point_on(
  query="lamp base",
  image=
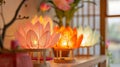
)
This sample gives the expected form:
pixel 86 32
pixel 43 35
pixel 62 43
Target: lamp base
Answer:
pixel 64 60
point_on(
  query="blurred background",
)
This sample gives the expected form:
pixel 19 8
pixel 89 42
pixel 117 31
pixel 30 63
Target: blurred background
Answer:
pixel 113 32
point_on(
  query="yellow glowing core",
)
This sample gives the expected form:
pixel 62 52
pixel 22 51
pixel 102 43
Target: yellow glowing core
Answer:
pixel 35 42
pixel 64 43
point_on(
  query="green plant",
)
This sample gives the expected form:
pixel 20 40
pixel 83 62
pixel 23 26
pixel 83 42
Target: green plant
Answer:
pixel 67 14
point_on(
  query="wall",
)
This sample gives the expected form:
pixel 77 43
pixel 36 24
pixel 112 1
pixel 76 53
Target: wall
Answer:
pixel 9 10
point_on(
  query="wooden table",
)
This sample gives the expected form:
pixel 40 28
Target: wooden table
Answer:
pixel 81 62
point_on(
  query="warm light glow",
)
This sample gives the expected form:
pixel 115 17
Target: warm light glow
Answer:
pixel 83 43
pixel 35 42
pixel 64 43
pixel 68 38
pixel 90 37
pixel 37 34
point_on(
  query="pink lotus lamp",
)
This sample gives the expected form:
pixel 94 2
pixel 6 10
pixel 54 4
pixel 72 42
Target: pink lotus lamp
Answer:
pixel 37 35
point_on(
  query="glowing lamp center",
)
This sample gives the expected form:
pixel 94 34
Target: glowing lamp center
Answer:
pixel 35 42
pixel 64 43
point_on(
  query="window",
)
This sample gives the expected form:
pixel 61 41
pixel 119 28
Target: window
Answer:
pixel 113 20
pixel 113 7
pixel 113 29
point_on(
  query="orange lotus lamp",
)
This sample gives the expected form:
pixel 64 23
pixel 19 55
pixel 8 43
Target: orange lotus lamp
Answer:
pixel 67 42
pixel 37 35
pixel 68 38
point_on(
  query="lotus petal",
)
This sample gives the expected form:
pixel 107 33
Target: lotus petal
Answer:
pixel 53 40
pixel 43 39
pixel 47 27
pixel 42 21
pixel 48 19
pixel 79 40
pixel 73 40
pixel 32 39
pixel 28 26
pixel 79 31
pixel 21 39
pixel 34 20
pixel 38 28
pixel 47 40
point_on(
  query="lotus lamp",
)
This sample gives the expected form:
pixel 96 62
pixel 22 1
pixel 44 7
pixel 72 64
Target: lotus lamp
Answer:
pixel 67 42
pixel 37 35
pixel 91 37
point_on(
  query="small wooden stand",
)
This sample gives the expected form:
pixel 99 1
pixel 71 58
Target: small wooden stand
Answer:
pixel 41 63
pixel 88 51
pixel 60 59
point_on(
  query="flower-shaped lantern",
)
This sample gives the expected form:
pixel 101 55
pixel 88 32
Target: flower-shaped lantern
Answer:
pixel 67 42
pixel 68 38
pixel 37 34
pixel 90 37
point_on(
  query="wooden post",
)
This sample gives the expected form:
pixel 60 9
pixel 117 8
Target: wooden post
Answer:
pixel 94 50
pixel 88 51
pixel 38 60
pixel 60 53
pixel 103 5
pixel 31 54
pixel 78 52
pixel 103 64
pixel 71 53
pixel 57 54
pixel 44 57
pixel 82 50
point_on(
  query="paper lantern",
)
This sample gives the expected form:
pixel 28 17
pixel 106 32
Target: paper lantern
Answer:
pixel 67 42
pixel 68 38
pixel 37 34
pixel 90 37
pixel 89 40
